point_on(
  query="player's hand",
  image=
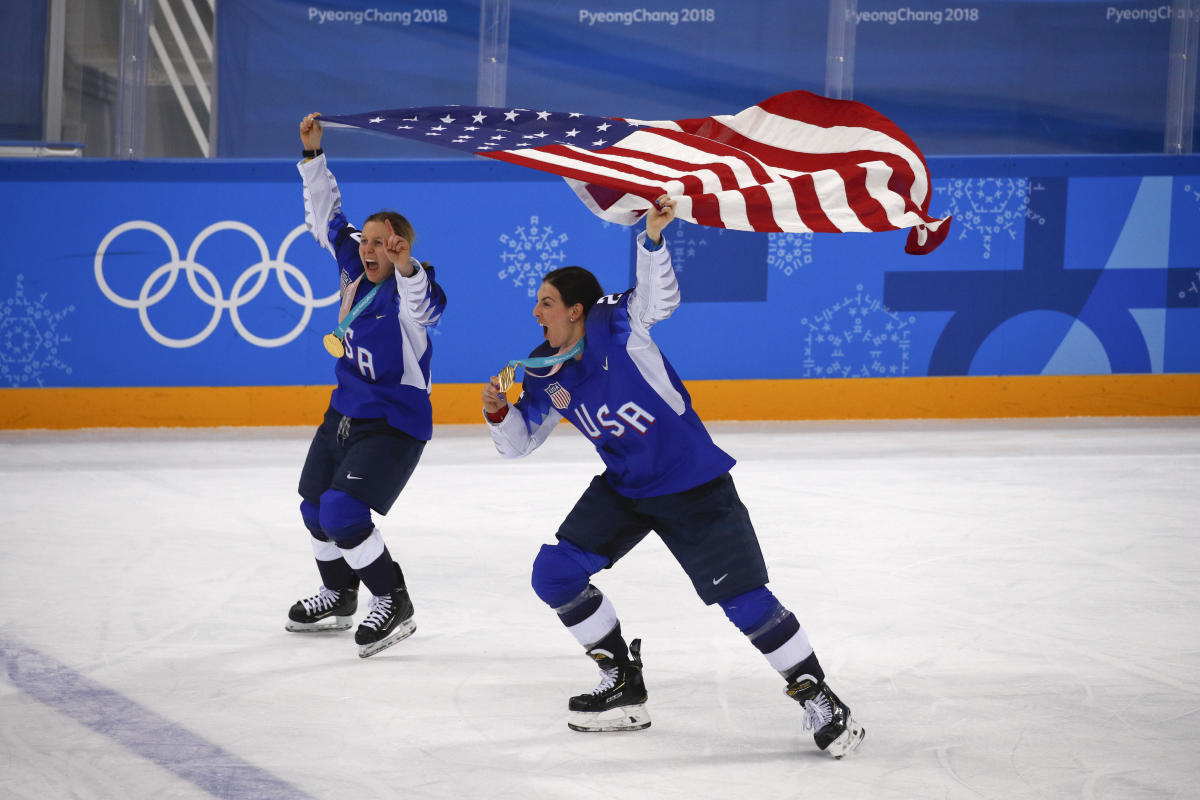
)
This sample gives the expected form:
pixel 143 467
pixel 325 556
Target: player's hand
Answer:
pixel 398 249
pixel 659 217
pixel 493 398
pixel 310 131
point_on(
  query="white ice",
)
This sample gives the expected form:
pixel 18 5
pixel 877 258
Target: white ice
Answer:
pixel 1010 608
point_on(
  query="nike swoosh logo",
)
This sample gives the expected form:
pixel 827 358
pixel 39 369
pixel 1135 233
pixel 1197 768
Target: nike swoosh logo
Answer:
pixel 380 316
pixel 350 476
pixel 606 363
pixel 718 580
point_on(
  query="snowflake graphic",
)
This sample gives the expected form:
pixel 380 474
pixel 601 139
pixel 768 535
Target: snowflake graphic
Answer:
pixel 530 252
pixel 989 207
pixel 788 252
pixel 856 337
pixel 29 338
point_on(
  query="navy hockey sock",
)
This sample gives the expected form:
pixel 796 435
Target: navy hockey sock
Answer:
pixel 809 666
pixel 337 574
pixel 774 631
pixel 373 564
pixel 592 620
pixel 380 576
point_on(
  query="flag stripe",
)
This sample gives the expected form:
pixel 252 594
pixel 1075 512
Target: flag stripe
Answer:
pixel 748 170
pixel 566 163
pixel 808 205
pixel 799 122
pixel 848 163
pixel 699 177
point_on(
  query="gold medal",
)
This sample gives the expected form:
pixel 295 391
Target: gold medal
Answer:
pixel 334 345
pixel 506 377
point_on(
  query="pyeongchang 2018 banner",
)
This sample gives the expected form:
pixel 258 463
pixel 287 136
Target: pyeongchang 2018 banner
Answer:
pixel 981 77
pixel 281 59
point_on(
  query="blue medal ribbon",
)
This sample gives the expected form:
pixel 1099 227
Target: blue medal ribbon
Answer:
pixel 340 330
pixel 508 375
pixel 550 361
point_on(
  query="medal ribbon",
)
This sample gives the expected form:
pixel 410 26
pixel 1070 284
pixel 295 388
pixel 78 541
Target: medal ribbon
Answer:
pixel 340 330
pixel 509 373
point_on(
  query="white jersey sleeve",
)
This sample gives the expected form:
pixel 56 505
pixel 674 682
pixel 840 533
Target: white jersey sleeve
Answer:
pixel 322 199
pixel 656 295
pixel 514 438
pixel 421 301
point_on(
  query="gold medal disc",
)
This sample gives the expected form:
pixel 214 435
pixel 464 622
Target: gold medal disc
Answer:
pixel 506 377
pixel 334 345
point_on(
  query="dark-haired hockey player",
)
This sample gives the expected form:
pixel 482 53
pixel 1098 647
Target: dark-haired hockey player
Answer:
pixel 600 370
pixel 379 417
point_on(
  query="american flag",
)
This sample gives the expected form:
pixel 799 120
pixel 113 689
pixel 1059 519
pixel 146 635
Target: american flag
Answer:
pixel 796 162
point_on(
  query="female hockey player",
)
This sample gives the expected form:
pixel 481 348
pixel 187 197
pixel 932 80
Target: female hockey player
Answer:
pixel 379 416
pixel 600 370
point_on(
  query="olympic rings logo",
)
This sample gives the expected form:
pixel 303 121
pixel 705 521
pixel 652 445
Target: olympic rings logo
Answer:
pixel 240 295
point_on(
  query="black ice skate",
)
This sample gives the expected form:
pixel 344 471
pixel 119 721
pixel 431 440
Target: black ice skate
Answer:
pixel 327 610
pixel 389 620
pixel 618 703
pixel 834 730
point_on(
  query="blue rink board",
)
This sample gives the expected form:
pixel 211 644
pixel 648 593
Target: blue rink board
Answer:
pixel 1054 265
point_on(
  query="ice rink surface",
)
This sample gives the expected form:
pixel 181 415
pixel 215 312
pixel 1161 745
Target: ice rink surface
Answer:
pixel 1011 609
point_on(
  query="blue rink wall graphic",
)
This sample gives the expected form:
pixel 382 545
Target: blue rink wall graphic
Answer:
pixel 131 282
pixel 201 274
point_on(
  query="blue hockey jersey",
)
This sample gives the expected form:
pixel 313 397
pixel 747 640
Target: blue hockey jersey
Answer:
pixel 385 373
pixel 622 393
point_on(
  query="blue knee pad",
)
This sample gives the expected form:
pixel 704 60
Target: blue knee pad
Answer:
pixel 749 609
pixel 345 519
pixel 311 514
pixel 561 571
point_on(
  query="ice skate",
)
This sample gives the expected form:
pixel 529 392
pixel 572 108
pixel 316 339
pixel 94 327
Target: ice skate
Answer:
pixel 619 702
pixel 834 730
pixel 327 610
pixel 389 620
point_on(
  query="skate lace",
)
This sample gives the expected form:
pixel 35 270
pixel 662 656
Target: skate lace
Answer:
pixel 817 712
pixel 323 600
pixel 379 609
pixel 608 679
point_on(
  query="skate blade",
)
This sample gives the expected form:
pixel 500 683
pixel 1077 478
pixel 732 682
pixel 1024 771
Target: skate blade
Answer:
pixel 848 742
pixel 621 718
pixel 402 631
pixel 321 626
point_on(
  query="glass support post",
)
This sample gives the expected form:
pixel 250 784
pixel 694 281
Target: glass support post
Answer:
pixel 493 52
pixel 1182 66
pixel 133 74
pixel 839 49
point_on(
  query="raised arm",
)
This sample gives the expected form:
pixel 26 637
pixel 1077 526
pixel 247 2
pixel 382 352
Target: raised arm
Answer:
pixel 322 198
pixel 656 295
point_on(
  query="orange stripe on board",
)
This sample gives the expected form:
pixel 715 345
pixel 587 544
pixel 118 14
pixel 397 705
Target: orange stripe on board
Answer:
pixel 459 403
